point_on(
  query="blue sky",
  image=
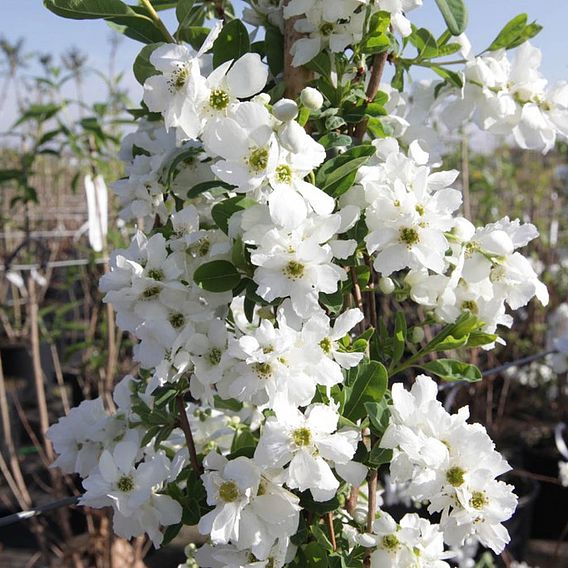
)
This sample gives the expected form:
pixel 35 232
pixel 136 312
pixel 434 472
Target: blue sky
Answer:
pixel 44 32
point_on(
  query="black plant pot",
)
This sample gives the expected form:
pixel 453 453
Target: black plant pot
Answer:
pixel 520 525
pixel 17 361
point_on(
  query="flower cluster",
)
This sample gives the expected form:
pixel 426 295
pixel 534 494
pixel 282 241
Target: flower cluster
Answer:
pixel 244 286
pixel 452 267
pixel 449 464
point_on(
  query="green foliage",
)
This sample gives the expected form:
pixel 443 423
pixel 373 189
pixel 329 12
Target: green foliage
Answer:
pixel 217 276
pixel 232 43
pixel 514 33
pixel 452 370
pixel 337 175
pixel 365 383
pixel 89 9
pixel 455 15
pixel 142 67
pixel 223 211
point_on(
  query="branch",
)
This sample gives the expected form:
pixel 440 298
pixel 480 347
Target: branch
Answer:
pixel 379 62
pixel 295 78
pixel 184 424
pixel 158 21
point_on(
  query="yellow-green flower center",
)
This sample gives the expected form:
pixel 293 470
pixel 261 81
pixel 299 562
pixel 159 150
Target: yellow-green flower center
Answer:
pixel 478 500
pixel 420 209
pixel 409 236
pixel 228 492
pixel 156 274
pixel 179 78
pixel 214 356
pixel 263 370
pixel 390 542
pixel 125 484
pixel 258 159
pixel 177 320
pixel 455 476
pixel 219 99
pixel 293 270
pixel 326 29
pixel 470 306
pixel 326 345
pixel 284 174
pixel 302 437
pixel 150 292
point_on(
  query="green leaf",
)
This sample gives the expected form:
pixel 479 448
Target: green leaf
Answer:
pixel 217 276
pixel 142 67
pixel 232 43
pixel 184 12
pixel 511 31
pixel 274 46
pixel 223 211
pixel 450 76
pixel 424 42
pixel 212 186
pixel 321 64
pixel 337 175
pixel 455 15
pixel 194 35
pixel 8 175
pixel 378 413
pixel 366 383
pixel 379 456
pixel 319 507
pixel 529 32
pixel 452 370
pixel 333 139
pixel 39 113
pixel 89 9
pixel 138 27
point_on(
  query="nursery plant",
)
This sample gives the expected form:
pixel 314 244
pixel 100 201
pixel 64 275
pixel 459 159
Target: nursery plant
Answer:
pixel 282 190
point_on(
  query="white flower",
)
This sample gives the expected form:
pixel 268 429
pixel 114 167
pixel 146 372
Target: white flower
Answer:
pixel 307 442
pixel 250 511
pixel 298 264
pixel 412 542
pixel 247 146
pixel 563 473
pixel 311 98
pixel 78 437
pixel 452 465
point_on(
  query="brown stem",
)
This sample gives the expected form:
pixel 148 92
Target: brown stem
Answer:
pixel 38 372
pixel 372 503
pixel 379 62
pixel 184 424
pixel 536 476
pixel 295 78
pixel 358 299
pixel 329 523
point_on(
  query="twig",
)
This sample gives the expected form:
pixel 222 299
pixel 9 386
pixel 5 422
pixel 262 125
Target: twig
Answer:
pixel 535 476
pixel 329 523
pixel 24 515
pixel 372 503
pixel 184 424
pixel 517 362
pixel 38 371
pixel 158 21
pixel 295 78
pixel 379 62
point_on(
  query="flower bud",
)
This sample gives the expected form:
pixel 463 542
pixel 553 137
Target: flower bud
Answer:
pixel 386 285
pixel 261 98
pixel 285 110
pixel 417 335
pixel 311 98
